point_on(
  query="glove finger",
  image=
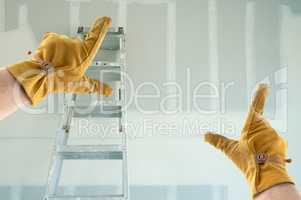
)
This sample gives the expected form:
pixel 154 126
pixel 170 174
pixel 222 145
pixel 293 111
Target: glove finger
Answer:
pixel 259 98
pixel 89 85
pixel 95 37
pixel 220 142
pixel 257 107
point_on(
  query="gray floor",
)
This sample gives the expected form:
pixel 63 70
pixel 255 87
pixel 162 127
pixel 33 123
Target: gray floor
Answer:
pixel 186 192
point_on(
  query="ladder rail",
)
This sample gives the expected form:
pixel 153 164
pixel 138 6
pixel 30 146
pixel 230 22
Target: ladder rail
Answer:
pixel 122 98
pixel 61 140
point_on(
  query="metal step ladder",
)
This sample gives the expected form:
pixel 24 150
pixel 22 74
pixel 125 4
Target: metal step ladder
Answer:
pixel 108 66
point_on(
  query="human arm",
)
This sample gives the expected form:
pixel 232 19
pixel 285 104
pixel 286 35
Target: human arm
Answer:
pixel 280 192
pixel 11 94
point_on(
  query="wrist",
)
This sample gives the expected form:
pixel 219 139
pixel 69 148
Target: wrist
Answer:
pixel 277 191
pixel 18 95
pixel 268 175
pixel 27 74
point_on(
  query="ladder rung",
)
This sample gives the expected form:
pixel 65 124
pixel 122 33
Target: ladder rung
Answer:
pixel 111 42
pixel 111 152
pixel 113 31
pixel 105 65
pixel 92 148
pixel 96 102
pixel 99 197
pixel 112 39
pixel 91 155
pixel 97 111
pixel 105 75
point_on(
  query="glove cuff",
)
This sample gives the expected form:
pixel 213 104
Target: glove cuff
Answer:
pixel 269 175
pixel 32 78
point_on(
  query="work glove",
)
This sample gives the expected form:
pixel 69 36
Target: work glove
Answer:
pixel 260 153
pixel 59 65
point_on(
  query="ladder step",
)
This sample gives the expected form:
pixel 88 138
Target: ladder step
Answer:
pixel 110 56
pixel 92 148
pixel 91 152
pixel 95 102
pixel 97 111
pixel 106 74
pixel 100 197
pixel 100 65
pixel 91 155
pixel 112 39
pixel 114 31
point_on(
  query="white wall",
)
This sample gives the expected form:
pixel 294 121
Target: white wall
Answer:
pixel 26 140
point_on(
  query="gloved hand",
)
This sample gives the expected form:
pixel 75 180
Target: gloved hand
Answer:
pixel 59 65
pixel 260 153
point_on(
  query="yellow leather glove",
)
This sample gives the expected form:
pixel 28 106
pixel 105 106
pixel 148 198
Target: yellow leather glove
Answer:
pixel 59 64
pixel 260 153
